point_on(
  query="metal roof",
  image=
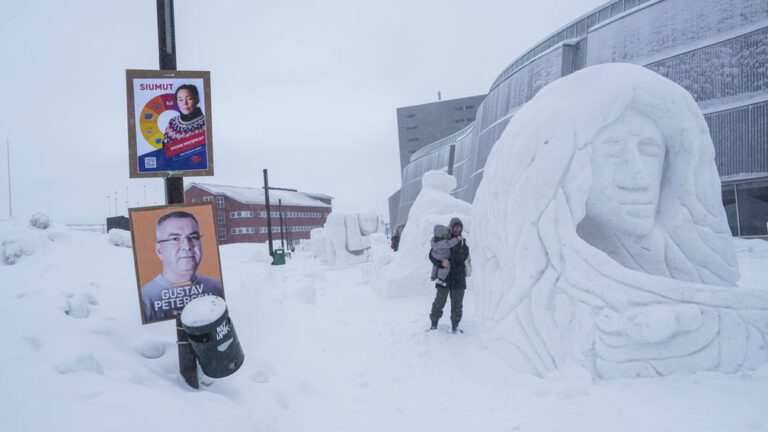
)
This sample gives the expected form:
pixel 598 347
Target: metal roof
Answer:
pixel 251 195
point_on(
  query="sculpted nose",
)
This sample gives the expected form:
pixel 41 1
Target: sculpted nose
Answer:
pixel 633 174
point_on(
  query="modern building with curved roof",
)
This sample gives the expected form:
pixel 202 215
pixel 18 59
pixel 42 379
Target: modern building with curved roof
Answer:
pixel 715 49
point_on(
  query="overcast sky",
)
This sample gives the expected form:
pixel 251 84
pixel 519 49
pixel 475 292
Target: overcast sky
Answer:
pixel 305 89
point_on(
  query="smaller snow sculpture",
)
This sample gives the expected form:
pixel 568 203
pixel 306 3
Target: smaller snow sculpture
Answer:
pixel 119 237
pixel 319 242
pixel 409 271
pixel 381 253
pixel 348 234
pixel 40 221
pixel 615 252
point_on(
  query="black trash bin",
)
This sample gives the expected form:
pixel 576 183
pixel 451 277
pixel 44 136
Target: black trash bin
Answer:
pixel 212 336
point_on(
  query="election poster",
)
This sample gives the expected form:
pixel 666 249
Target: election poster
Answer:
pixel 176 256
pixel 169 123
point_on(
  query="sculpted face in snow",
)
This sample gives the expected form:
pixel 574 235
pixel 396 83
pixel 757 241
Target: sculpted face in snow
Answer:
pixel 616 253
pixel 627 160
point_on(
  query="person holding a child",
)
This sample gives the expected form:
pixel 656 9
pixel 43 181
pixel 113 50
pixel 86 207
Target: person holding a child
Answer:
pixel 448 255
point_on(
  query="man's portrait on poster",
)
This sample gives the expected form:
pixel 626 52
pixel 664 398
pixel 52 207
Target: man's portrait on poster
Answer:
pixel 179 247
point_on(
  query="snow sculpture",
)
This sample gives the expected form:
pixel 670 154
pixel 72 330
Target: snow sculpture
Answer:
pixel 381 252
pixel 348 234
pixel 409 272
pixel 319 244
pixel 601 238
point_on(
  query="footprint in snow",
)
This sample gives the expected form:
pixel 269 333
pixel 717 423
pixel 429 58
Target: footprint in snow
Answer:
pixel 83 363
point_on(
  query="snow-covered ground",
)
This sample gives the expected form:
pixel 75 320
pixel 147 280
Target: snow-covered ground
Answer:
pixel 323 352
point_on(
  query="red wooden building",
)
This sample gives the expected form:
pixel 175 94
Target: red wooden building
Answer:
pixel 241 213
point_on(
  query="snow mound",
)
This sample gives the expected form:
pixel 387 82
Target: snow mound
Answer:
pixel 151 348
pixel 78 304
pixel 439 181
pixel 40 221
pixel 601 239
pixel 19 240
pixel 119 237
pixel 323 342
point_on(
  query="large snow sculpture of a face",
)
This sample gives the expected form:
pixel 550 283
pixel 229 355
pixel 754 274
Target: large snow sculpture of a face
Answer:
pixel 627 163
pixel 616 252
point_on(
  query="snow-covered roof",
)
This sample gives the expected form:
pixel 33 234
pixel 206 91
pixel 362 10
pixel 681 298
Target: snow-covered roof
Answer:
pixel 317 195
pixel 251 195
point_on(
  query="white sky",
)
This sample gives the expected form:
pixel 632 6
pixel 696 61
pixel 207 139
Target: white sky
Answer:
pixel 305 89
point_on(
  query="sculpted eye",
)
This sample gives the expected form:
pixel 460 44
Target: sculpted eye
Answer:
pixel 613 147
pixel 650 147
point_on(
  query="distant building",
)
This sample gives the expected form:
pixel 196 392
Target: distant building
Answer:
pixel 420 125
pixel 119 222
pixel 241 213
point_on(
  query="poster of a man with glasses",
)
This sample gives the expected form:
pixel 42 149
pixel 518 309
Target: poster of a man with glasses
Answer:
pixel 168 244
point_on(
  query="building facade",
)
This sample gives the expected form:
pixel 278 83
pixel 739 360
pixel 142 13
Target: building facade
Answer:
pixel 419 125
pixel 241 212
pixel 715 49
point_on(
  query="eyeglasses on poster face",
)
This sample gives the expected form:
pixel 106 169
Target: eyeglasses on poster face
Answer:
pixel 176 240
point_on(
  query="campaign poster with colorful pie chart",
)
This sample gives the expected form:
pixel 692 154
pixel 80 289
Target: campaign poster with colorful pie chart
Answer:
pixel 169 123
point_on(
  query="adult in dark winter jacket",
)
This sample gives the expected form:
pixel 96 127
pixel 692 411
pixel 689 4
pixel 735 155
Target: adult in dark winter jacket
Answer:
pixel 455 283
pixel 395 241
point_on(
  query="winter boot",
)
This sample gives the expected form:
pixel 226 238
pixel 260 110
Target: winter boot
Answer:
pixel 433 326
pixel 454 328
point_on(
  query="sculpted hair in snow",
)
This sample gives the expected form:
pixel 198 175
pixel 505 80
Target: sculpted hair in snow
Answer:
pixel 544 284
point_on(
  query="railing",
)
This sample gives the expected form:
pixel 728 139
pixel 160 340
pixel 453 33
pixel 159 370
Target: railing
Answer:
pixel 442 142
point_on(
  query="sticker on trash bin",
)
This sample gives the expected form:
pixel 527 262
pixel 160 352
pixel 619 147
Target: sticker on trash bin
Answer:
pixel 223 347
pixel 222 330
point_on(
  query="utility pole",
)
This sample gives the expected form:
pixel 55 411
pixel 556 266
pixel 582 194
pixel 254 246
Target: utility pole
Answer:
pixel 269 214
pixel 280 212
pixel 166 40
pixel 288 234
pixel 174 186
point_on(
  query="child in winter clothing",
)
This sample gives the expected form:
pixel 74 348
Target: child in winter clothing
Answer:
pixel 441 250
